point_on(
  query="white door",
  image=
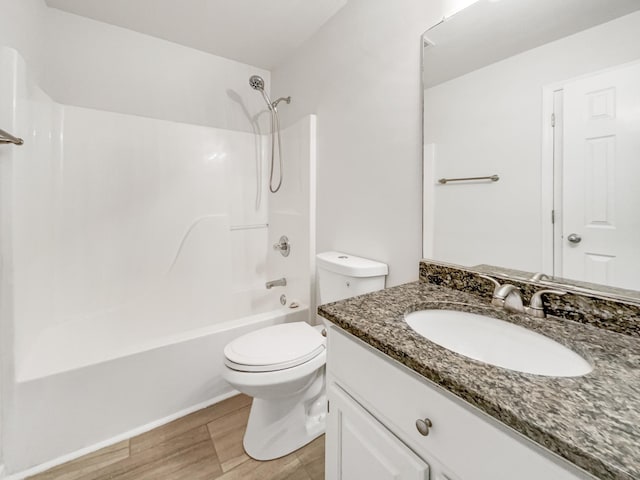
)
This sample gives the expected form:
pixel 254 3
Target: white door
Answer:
pixel 359 447
pixel 601 178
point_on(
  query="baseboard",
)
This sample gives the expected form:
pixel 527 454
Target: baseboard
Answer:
pixel 118 438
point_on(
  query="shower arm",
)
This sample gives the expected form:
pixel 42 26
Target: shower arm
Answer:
pixel 281 99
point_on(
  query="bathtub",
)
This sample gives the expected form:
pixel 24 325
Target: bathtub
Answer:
pixel 69 402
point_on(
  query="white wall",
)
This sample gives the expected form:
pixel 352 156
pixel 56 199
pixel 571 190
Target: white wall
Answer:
pixel 22 26
pixel 7 87
pixel 490 121
pixel 96 65
pixel 361 75
pixel 83 62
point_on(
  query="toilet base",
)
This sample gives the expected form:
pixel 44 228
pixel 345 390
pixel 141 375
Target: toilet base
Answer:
pixel 280 426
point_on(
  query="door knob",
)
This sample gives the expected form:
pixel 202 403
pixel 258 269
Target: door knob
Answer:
pixel 574 238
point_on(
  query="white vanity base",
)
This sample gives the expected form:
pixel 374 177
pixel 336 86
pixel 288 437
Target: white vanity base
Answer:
pixel 374 403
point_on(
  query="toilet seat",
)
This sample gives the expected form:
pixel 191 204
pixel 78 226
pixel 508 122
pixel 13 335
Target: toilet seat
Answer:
pixel 274 348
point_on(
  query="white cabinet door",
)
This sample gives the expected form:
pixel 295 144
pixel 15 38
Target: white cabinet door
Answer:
pixel 359 447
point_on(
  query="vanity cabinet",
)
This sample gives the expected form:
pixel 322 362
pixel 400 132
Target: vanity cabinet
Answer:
pixel 365 449
pixel 374 404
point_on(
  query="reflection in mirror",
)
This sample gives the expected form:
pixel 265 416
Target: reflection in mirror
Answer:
pixel 545 95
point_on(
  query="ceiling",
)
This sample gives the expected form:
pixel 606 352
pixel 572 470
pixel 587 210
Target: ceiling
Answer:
pixel 491 30
pixel 257 32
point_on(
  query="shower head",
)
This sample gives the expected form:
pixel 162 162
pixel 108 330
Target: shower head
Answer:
pixel 256 82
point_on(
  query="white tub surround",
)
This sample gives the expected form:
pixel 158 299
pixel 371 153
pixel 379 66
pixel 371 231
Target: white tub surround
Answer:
pixel 133 250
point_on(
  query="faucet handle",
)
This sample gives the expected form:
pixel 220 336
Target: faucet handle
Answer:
pixel 495 282
pixel 487 277
pixel 283 246
pixel 536 306
pixel 505 295
pixel 536 277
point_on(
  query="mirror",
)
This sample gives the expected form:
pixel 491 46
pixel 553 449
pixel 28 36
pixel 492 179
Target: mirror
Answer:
pixel 532 139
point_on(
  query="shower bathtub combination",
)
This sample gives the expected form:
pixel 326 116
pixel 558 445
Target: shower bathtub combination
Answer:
pixel 134 249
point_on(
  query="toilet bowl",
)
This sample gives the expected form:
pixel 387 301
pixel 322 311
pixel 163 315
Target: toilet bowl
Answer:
pixel 283 366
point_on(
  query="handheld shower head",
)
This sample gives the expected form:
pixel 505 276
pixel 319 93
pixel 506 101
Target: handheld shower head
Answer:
pixel 256 82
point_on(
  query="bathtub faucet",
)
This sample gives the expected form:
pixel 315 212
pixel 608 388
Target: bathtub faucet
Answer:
pixel 281 282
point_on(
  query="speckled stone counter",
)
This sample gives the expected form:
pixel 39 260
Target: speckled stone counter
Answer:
pixel 600 310
pixel 592 421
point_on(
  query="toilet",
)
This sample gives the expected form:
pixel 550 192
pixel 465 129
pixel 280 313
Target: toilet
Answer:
pixel 282 366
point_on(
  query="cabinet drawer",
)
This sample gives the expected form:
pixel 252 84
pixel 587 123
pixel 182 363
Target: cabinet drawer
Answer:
pixel 468 442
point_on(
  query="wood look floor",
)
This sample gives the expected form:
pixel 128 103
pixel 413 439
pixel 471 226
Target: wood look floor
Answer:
pixel 205 445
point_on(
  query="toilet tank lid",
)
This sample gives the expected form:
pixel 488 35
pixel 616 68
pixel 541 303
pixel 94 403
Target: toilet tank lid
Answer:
pixel 350 265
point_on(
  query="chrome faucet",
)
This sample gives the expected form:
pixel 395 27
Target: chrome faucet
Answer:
pixel 536 306
pixel 509 297
pixel 536 277
pixel 283 246
pixel 506 295
pixel 281 282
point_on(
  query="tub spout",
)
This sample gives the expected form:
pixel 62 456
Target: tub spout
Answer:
pixel 281 282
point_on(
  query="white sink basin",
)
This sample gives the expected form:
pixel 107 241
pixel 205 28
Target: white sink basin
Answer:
pixel 498 343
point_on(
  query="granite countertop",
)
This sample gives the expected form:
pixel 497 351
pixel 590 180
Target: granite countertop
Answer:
pixel 592 421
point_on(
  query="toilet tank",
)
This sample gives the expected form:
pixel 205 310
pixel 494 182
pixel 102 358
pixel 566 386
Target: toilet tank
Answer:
pixel 341 276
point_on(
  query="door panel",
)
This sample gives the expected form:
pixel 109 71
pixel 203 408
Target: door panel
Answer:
pixel 601 165
pixel 362 448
